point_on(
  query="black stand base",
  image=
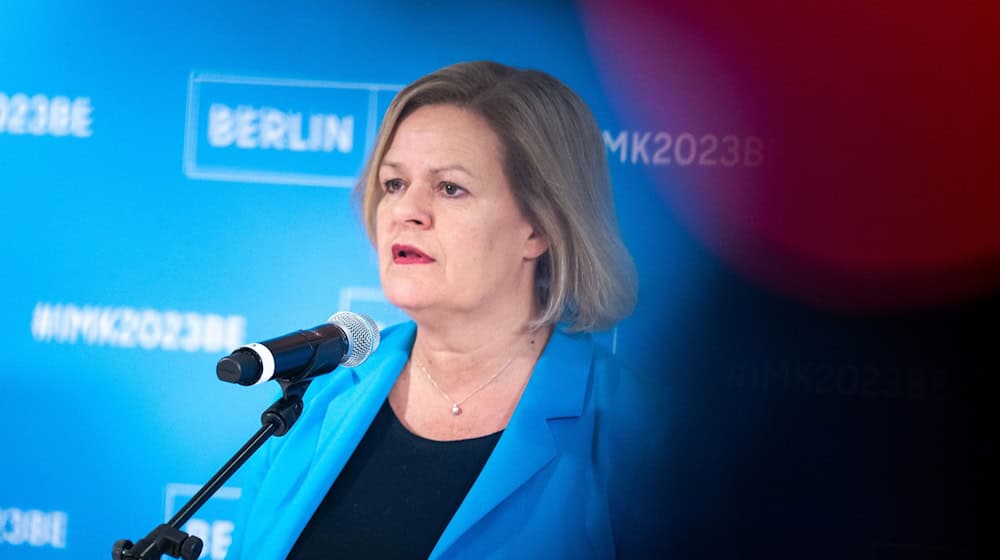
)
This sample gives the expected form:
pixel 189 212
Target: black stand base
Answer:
pixel 162 540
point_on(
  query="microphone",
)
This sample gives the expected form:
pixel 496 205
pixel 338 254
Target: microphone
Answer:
pixel 346 338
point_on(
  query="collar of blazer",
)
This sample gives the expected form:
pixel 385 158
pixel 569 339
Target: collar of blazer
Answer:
pixel 557 389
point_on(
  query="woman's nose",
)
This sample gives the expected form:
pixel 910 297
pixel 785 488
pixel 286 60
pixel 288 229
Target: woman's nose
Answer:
pixel 413 206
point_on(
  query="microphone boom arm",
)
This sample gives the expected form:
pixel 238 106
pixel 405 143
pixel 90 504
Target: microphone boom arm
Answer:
pixel 167 538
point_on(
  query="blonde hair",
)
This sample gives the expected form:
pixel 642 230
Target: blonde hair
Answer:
pixel 556 165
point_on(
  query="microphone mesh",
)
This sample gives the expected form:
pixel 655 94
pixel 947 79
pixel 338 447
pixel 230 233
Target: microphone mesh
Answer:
pixel 362 336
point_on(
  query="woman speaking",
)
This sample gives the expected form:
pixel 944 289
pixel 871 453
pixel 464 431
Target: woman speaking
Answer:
pixel 490 425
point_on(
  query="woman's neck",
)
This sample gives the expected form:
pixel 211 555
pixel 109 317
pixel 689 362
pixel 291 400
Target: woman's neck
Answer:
pixel 464 353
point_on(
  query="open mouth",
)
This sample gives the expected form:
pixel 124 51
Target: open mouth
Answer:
pixel 407 254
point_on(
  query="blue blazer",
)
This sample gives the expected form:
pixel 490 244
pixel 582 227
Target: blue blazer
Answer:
pixel 569 478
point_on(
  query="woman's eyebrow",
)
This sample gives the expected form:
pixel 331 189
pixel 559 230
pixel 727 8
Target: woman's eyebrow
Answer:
pixel 434 170
pixel 452 167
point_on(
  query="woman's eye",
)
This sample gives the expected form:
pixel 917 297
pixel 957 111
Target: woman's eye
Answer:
pixel 452 190
pixel 392 185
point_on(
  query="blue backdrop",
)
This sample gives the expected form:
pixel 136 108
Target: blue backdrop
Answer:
pixel 175 182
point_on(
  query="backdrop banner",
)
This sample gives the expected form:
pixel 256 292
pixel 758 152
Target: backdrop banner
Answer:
pixel 805 195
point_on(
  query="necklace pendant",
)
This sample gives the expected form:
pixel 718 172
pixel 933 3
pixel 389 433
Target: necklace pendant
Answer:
pixel 455 410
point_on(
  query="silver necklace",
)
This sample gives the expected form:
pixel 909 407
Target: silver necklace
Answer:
pixel 456 405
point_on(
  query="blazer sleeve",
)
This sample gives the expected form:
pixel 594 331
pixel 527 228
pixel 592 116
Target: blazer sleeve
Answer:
pixel 632 447
pixel 250 478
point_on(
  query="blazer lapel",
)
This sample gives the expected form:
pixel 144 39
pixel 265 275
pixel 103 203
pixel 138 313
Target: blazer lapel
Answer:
pixel 349 415
pixel 352 406
pixel 557 389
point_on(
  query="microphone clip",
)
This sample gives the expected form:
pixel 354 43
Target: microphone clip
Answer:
pixel 286 410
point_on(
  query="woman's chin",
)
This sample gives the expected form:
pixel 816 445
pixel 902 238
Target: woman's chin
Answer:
pixel 408 299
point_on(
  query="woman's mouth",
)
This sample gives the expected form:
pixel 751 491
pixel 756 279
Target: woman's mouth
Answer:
pixel 408 254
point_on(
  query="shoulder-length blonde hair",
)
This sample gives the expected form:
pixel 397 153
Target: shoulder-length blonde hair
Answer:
pixel 555 163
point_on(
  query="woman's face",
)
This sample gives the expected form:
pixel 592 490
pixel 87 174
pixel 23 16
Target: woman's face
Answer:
pixel 450 236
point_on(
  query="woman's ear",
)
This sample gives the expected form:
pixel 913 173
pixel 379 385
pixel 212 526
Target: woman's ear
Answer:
pixel 536 245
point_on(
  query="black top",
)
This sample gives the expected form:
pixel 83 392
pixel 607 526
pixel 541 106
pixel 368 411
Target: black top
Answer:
pixel 395 495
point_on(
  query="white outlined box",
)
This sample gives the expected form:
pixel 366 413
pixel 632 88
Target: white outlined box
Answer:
pixel 358 103
pixel 185 492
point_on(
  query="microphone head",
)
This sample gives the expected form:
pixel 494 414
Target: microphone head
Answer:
pixel 362 336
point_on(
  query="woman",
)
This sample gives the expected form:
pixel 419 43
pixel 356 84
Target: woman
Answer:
pixel 490 426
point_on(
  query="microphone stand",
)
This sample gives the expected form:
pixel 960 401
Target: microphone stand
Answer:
pixel 167 538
